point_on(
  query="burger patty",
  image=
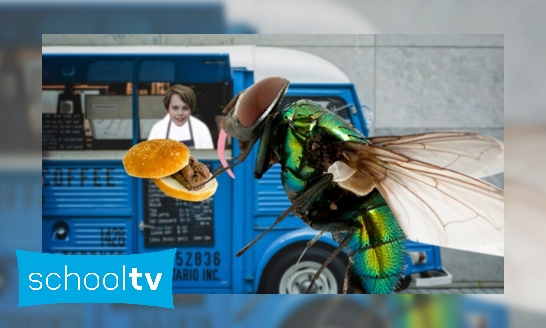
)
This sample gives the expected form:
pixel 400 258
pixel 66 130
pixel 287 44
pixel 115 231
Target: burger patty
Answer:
pixel 192 175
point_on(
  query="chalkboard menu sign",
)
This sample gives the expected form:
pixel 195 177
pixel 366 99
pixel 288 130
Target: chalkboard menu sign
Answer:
pixel 63 132
pixel 172 222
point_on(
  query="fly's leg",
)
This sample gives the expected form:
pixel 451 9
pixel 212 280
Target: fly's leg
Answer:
pixel 245 147
pixel 263 158
pixel 301 204
pixel 309 244
pixel 337 236
pixel 329 259
pixel 264 151
pixel 346 280
pixel 220 169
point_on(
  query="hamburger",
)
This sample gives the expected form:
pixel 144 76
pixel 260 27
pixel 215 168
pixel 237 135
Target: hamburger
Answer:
pixel 169 164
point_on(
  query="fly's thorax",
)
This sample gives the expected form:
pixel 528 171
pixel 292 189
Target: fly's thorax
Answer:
pixel 303 115
pixel 305 134
pixel 294 129
pixel 299 121
pixel 337 128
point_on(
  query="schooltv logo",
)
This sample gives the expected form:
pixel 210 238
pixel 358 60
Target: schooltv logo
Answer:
pixel 144 279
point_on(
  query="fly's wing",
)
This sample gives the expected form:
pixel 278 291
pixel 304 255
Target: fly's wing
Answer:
pixel 466 152
pixel 433 205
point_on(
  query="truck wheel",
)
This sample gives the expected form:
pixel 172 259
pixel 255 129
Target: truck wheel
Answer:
pixel 282 276
pixel 403 284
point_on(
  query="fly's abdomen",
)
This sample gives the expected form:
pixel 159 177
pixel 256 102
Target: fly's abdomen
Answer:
pixel 377 248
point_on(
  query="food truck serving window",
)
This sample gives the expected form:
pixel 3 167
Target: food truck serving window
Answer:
pixel 210 101
pixel 100 116
pixel 89 102
pixel 83 117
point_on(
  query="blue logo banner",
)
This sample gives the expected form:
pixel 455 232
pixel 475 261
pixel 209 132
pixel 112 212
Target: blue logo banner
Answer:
pixel 144 279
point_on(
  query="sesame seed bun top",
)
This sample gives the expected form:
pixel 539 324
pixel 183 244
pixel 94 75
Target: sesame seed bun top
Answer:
pixel 156 158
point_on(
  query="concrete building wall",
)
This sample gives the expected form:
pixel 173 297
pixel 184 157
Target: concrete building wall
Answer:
pixel 410 83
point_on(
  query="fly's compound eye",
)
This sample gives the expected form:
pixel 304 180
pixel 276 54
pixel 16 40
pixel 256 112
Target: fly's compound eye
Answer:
pixel 249 109
pixel 246 112
pixel 259 99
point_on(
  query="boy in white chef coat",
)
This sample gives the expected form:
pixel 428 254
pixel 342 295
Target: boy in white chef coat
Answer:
pixel 179 124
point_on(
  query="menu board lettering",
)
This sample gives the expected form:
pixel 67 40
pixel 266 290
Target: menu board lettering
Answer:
pixel 172 222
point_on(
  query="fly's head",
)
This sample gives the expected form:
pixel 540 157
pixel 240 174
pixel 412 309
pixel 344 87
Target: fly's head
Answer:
pixel 247 113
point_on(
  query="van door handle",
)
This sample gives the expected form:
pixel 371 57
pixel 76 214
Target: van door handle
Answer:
pixel 143 226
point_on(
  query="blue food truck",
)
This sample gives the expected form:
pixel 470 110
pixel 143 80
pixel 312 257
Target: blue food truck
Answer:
pixel 97 102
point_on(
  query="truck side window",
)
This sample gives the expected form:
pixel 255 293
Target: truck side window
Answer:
pixel 335 104
pixel 99 116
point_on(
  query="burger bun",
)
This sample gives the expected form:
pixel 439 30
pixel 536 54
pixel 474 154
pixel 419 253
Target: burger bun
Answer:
pixel 174 189
pixel 156 158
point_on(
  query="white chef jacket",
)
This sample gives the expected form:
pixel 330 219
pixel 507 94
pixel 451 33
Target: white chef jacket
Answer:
pixel 201 134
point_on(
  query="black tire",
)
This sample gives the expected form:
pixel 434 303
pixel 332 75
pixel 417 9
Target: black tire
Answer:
pixel 403 284
pixel 314 257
